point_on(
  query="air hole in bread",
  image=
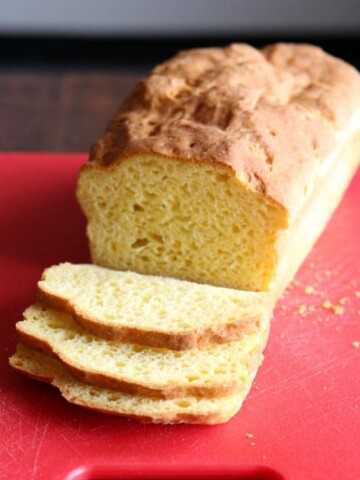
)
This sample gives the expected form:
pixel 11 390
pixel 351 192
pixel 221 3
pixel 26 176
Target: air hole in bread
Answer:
pixel 139 243
pixel 138 208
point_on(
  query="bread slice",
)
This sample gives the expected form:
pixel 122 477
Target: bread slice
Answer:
pixel 154 311
pixel 212 372
pixel 212 167
pixel 179 410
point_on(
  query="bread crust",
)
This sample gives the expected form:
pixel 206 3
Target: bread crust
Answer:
pixel 216 334
pixel 147 390
pixel 271 116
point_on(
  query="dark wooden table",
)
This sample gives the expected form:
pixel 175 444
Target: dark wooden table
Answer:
pixel 59 94
pixel 58 111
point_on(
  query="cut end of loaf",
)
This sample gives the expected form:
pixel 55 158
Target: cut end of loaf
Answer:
pixel 184 219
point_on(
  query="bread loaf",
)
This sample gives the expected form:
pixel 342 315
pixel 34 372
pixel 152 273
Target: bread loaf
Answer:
pixel 155 311
pixel 224 165
pixel 213 371
pixel 179 410
pixel 222 168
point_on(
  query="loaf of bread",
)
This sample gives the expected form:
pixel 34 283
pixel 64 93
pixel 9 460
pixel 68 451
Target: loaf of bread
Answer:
pixel 155 311
pixel 213 371
pixel 41 367
pixel 221 168
pixel 224 165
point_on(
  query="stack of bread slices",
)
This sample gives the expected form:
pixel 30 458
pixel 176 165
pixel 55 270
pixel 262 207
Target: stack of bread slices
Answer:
pixel 152 348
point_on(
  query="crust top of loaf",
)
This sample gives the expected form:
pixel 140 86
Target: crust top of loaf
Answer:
pixel 268 114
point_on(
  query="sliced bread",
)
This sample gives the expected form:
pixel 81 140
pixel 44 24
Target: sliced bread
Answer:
pixel 155 311
pixel 180 410
pixel 212 371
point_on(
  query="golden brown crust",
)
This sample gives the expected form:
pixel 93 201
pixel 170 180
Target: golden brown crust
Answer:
pixel 271 116
pixel 148 390
pixel 216 334
pixel 179 417
pixel 213 419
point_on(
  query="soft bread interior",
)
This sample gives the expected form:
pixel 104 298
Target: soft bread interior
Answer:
pixel 188 220
pixel 199 222
pixel 115 300
pixel 178 410
pixel 209 371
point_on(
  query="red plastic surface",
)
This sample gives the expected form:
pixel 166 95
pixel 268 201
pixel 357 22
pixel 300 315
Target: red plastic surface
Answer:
pixel 303 412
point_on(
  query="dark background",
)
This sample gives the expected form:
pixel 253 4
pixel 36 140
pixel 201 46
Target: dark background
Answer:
pixel 63 76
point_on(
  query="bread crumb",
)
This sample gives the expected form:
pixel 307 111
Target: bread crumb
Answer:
pixel 311 308
pixel 296 283
pixel 302 309
pixel 357 294
pixel 338 309
pixel 355 344
pixel 343 300
pixel 249 435
pixel 309 290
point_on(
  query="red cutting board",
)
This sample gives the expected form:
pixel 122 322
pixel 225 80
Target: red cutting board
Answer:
pixel 303 413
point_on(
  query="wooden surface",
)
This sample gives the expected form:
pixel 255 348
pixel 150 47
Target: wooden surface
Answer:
pixel 58 111
pixel 59 94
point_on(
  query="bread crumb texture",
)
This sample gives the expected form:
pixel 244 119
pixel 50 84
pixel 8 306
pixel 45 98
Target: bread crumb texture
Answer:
pixel 157 371
pixel 180 219
pixel 111 301
pixel 187 409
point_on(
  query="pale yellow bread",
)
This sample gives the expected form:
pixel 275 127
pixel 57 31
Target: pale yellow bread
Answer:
pixel 179 410
pixel 297 241
pixel 155 311
pixel 211 168
pixel 212 371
